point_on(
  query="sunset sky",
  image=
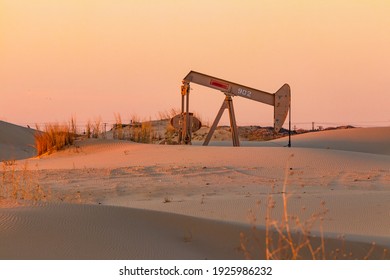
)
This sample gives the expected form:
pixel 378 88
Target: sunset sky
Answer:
pixel 94 58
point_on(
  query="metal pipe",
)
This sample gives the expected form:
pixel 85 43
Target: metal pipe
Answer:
pixel 289 125
pixel 187 139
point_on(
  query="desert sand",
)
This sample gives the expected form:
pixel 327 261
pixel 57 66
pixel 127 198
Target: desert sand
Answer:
pixel 112 199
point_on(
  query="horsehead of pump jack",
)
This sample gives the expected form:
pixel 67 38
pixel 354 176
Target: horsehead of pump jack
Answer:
pixel 280 100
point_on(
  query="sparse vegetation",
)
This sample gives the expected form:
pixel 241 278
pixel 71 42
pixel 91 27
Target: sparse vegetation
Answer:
pixel 118 127
pixel 168 114
pixel 21 185
pixel 290 238
pixel 73 125
pixel 286 237
pixel 97 127
pixel 89 129
pixel 287 246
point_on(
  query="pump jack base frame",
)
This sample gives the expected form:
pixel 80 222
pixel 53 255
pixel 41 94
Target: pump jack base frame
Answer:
pixel 227 104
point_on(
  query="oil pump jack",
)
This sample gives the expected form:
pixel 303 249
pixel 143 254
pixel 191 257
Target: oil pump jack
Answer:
pixel 186 123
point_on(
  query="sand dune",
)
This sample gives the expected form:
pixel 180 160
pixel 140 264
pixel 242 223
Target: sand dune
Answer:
pixel 69 231
pixel 16 142
pixel 140 201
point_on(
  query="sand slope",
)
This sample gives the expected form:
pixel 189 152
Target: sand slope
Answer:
pixel 16 142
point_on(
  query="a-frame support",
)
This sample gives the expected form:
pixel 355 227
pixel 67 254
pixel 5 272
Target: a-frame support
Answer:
pixel 227 104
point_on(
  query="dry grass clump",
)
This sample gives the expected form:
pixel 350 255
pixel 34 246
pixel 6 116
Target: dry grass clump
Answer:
pixel 54 137
pixel 143 133
pixel 288 237
pixel 21 185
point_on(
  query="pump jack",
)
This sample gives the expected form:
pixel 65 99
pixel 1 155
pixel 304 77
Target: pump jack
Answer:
pixel 280 100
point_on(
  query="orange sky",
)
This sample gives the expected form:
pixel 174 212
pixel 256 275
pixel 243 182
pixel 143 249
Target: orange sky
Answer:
pixel 100 57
